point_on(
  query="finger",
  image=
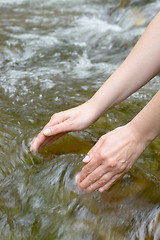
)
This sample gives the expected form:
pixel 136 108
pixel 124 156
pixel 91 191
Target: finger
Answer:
pixel 91 153
pixel 33 147
pixel 57 118
pixel 93 181
pixel 100 182
pixel 51 139
pixel 77 182
pixel 44 143
pixel 62 127
pixel 117 174
pixel 109 183
pixel 93 178
pixel 87 159
pixel 93 161
pixel 37 142
pixel 87 170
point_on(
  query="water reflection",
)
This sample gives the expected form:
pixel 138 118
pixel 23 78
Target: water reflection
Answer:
pixel 54 55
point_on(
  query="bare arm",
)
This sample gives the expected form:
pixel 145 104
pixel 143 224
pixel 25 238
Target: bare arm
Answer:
pixel 147 122
pixel 141 65
pixel 116 152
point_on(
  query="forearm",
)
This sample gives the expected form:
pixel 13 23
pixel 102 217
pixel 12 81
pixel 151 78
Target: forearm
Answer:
pixel 147 123
pixel 141 65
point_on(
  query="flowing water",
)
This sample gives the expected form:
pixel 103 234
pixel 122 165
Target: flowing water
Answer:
pixel 54 54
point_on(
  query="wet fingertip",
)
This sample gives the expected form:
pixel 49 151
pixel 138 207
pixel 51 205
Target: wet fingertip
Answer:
pixel 77 183
pixel 86 159
pixel 47 132
pixel 101 189
pixel 90 189
pixel 32 150
pixel 33 146
pixel 77 180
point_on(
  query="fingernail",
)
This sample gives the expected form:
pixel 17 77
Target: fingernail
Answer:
pixel 47 131
pixel 86 159
pixel 101 189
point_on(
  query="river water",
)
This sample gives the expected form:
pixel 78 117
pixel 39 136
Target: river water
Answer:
pixel 54 54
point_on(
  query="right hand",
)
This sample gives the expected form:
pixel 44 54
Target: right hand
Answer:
pixel 112 156
pixel 74 119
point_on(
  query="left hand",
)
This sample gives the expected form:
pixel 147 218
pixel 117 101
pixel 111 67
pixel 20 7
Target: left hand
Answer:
pixel 74 119
pixel 112 156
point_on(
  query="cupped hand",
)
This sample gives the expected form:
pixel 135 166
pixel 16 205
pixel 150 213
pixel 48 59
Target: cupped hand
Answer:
pixel 74 119
pixel 111 157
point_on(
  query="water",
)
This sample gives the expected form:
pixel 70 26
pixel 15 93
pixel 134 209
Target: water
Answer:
pixel 54 55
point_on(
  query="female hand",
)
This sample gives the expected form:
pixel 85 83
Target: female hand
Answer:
pixel 74 119
pixel 112 156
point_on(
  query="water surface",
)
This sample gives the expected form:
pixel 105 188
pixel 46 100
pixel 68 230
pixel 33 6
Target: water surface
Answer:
pixel 55 55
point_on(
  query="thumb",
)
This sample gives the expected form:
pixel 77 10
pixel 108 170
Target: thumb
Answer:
pixel 91 152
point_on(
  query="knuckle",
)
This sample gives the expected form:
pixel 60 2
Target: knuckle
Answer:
pixel 110 163
pixel 102 154
pixel 102 182
pixel 54 115
pixel 93 154
pixel 102 137
pixel 68 125
pixel 121 167
pixel 86 169
pixel 93 176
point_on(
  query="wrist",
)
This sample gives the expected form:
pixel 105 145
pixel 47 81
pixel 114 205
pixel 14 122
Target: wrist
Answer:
pixel 92 110
pixel 141 134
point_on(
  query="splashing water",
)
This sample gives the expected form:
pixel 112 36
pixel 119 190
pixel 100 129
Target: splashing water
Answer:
pixel 54 55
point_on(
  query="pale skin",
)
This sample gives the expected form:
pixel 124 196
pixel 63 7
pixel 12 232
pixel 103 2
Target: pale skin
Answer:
pixel 115 152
